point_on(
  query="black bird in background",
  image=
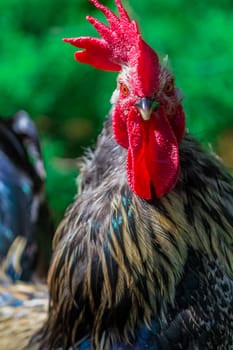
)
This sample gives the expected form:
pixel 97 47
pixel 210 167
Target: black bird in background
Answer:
pixel 25 219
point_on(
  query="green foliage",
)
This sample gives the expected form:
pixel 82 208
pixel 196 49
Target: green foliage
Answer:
pixel 69 101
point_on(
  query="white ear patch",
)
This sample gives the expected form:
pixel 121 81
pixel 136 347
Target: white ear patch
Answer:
pixel 165 61
pixel 179 94
pixel 115 96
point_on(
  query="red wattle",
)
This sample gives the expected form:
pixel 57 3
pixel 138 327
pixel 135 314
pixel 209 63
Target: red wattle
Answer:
pixel 138 175
pixel 162 154
pixel 153 152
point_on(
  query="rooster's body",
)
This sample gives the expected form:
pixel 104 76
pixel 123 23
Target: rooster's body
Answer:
pixel 140 263
pixel 144 256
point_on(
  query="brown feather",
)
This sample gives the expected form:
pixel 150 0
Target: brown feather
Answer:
pixel 114 250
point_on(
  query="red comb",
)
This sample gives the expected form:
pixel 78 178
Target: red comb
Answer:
pixel 120 44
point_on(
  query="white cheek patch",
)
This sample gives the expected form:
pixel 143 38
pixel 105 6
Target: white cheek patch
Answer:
pixel 115 96
pixel 179 94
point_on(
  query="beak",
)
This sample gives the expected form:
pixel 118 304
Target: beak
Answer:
pixel 146 106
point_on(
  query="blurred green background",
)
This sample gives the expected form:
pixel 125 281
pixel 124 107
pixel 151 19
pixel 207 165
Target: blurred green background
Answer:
pixel 69 101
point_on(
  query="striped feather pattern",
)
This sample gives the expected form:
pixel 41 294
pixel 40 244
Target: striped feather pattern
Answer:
pixel 119 260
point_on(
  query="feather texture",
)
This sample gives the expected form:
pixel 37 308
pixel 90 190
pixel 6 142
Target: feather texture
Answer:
pixel 24 211
pixel 143 257
pixel 126 264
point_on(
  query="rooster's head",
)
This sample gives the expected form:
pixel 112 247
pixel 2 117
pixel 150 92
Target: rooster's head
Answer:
pixel 147 115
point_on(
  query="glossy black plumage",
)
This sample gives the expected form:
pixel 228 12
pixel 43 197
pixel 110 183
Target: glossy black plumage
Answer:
pixel 130 274
pixel 22 194
pixel 135 274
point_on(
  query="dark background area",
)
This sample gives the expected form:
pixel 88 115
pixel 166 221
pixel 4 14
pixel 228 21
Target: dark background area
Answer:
pixel 69 101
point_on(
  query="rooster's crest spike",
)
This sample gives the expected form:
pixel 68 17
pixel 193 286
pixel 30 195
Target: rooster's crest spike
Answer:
pixel 120 45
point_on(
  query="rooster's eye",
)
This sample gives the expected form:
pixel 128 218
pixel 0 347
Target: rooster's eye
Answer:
pixel 169 87
pixel 124 89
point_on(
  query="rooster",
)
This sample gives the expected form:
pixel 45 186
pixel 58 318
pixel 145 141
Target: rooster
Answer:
pixel 26 228
pixel 143 257
pixel 23 206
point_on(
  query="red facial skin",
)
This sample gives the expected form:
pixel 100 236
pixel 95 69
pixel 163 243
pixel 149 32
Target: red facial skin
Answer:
pixel 153 151
pixel 153 154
